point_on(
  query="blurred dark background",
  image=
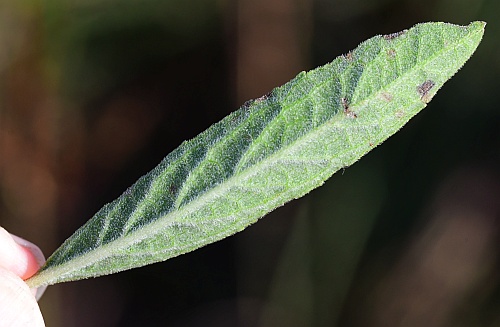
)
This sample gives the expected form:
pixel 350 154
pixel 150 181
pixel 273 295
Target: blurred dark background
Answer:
pixel 93 94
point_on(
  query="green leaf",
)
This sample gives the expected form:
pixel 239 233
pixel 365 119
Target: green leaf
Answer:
pixel 270 151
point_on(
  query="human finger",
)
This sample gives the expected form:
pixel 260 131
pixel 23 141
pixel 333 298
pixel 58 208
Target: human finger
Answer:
pixel 21 257
pixel 18 307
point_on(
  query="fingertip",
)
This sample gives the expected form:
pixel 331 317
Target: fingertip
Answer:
pixel 21 257
pixel 18 255
pixel 33 256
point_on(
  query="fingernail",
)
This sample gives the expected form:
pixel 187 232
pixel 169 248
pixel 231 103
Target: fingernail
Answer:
pixel 39 260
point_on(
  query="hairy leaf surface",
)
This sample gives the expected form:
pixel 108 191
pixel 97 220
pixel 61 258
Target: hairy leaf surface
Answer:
pixel 270 151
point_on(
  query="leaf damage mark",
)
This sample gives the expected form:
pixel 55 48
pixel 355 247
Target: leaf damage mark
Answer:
pixel 349 56
pixel 386 96
pixel 251 102
pixel 264 97
pixel 128 192
pixel 347 110
pixel 172 189
pixel 392 36
pixel 247 104
pixel 423 90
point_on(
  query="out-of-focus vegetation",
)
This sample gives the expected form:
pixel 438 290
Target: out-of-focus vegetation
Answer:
pixel 94 93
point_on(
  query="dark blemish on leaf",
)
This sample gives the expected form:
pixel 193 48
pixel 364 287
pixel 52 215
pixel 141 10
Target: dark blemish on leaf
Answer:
pixel 394 35
pixel 391 53
pixel 172 189
pixel 423 90
pixel 400 114
pixel 345 103
pixel 425 87
pixel 128 191
pixel 349 56
pixel 351 114
pixel 347 110
pixel 247 104
pixel 386 96
pixel 264 97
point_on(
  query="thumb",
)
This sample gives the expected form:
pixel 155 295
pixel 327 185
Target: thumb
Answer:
pixel 18 307
pixel 20 257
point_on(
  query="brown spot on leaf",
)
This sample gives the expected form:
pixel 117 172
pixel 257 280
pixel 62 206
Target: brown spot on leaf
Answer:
pixel 264 97
pixel 349 56
pixel 128 191
pixel 391 53
pixel 394 35
pixel 400 114
pixel 172 189
pixel 247 104
pixel 386 96
pixel 345 103
pixel 351 114
pixel 347 110
pixel 423 90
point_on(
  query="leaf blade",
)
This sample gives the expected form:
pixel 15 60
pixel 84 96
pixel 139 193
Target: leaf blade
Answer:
pixel 272 150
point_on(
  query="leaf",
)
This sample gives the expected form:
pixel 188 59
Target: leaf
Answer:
pixel 270 151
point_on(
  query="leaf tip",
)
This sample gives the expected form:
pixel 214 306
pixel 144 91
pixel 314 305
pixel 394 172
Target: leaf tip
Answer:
pixel 477 25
